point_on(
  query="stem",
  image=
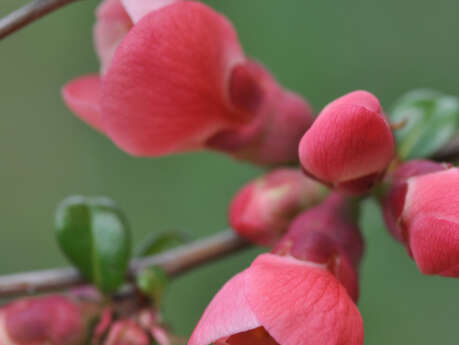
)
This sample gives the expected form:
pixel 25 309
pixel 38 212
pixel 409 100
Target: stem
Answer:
pixel 28 14
pixel 174 262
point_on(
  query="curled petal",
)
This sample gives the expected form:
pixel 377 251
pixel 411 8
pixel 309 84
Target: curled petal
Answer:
pixel 166 90
pixel 301 304
pixel 282 117
pixel 112 25
pixel 137 9
pixel 82 96
pixel 228 313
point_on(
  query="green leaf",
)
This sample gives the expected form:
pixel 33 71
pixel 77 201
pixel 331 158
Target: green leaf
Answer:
pixel 157 243
pixel 153 282
pixel 431 120
pixel 94 235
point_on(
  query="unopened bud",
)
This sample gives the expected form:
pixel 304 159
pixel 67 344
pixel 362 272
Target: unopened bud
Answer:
pixel 51 320
pixel 263 209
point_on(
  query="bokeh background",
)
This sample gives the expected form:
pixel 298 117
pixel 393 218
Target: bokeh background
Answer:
pixel 320 48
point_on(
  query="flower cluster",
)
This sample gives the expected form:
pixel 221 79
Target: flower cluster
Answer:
pixel 174 78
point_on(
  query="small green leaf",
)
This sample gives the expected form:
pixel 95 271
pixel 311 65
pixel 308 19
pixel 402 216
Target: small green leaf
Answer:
pixel 95 237
pixel 157 243
pixel 430 120
pixel 153 282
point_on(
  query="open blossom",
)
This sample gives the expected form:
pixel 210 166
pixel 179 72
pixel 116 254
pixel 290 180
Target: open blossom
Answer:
pixel 422 211
pixel 263 209
pixel 51 320
pixel 299 294
pixel 350 145
pixel 174 78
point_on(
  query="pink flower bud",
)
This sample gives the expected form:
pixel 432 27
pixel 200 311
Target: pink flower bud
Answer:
pixel 127 332
pixel 52 320
pixel 350 144
pixel 327 235
pixel 174 79
pixel 393 202
pixel 281 300
pixel 425 211
pixel 263 209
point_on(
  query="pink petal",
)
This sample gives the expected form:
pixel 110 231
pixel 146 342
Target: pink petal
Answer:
pixel 434 193
pixel 82 96
pixel 282 117
pixel 166 90
pixel 227 314
pixel 434 243
pixel 301 304
pixel 112 25
pixel 137 9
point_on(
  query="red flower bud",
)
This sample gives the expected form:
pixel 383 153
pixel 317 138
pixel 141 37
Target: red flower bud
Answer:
pixel 52 320
pixel 327 235
pixel 422 211
pixel 127 332
pixel 350 144
pixel 263 209
pixel 393 202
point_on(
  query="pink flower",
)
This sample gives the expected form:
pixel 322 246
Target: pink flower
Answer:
pixel 350 144
pixel 302 293
pixel 263 209
pixel 174 79
pixel 52 320
pixel 281 300
pixel 422 212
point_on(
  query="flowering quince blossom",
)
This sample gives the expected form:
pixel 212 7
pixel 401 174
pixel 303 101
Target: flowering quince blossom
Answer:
pixel 295 295
pixel 174 78
pixel 51 320
pixel 422 211
pixel 263 209
pixel 350 144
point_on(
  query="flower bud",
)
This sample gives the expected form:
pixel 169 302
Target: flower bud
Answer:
pixel 263 209
pixel 327 235
pixel 422 211
pixel 350 144
pixel 52 320
pixel 394 199
pixel 127 332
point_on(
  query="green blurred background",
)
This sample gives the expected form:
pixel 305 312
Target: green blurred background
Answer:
pixel 320 48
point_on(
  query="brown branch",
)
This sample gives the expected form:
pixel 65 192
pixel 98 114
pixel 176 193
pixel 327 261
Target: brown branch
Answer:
pixel 28 14
pixel 174 262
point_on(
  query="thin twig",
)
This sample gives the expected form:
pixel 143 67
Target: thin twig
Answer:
pixel 28 14
pixel 174 262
